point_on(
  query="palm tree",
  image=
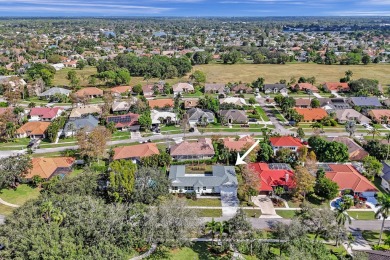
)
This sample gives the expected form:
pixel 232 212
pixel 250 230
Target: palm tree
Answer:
pixel 341 217
pixel 384 210
pixel 224 155
pixel 374 131
pixel 387 137
pixel 212 226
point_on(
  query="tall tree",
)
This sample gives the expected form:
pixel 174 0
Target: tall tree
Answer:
pixel 121 180
pixel 372 166
pixel 13 169
pixel 93 145
pixel 304 182
pixel 383 211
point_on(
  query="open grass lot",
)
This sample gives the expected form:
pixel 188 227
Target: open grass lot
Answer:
pixel 362 215
pixel 204 202
pixel 286 213
pixel 20 195
pixel 273 73
pixel 211 213
pixel 60 76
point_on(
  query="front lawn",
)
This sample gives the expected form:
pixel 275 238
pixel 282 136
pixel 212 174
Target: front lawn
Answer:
pixel 372 236
pixel 209 213
pixel 20 195
pixel 286 213
pixel 195 251
pixel 362 215
pixel 204 202
pixel 253 213
pixel 262 113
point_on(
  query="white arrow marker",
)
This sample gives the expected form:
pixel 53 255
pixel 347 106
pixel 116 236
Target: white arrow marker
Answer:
pixel 240 160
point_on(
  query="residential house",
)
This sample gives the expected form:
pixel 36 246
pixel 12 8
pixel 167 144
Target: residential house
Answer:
pixel 48 94
pixel 346 115
pixel 128 121
pixel 120 106
pixel 302 102
pixel 84 111
pixel 135 152
pixel 199 116
pixel 275 88
pixel 148 90
pixel 385 176
pixel 335 86
pixel 47 168
pixel 311 114
pixel 222 179
pixel 238 145
pixel 214 88
pixel 273 175
pixel 381 116
pixel 88 124
pixel 242 89
pixel 201 150
pixel 44 113
pixel 121 90
pixel 279 142
pixel 332 104
pixel 234 116
pixel 33 130
pixel 166 103
pixel 348 178
pixel 365 102
pixel 70 64
pixel 90 92
pixel 166 116
pixel 305 87
pixel 233 100
pixel 355 151
pixel 190 102
pixel 180 88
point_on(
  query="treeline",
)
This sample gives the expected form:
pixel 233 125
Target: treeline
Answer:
pixel 149 67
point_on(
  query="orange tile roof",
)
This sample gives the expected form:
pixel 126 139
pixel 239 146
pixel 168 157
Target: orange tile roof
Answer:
pixel 90 91
pixel 285 141
pixel 310 114
pixel 135 151
pixel 160 103
pixel 348 178
pixel 304 86
pixel 376 114
pixel 238 145
pixel 335 86
pixel 33 128
pixel 45 167
pixel 121 89
pixel 203 146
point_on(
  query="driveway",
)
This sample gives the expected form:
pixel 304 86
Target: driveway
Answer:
pixel 229 201
pixel 266 206
pixel 359 243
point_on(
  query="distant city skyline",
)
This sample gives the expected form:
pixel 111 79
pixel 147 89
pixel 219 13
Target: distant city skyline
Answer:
pixel 261 8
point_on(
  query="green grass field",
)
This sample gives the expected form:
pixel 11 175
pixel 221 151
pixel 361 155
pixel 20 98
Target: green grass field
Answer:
pixel 362 215
pixel 286 213
pixel 204 202
pixel 253 213
pixel 19 196
pixel 211 213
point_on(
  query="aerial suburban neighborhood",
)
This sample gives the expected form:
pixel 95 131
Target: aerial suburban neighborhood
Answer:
pixel 195 139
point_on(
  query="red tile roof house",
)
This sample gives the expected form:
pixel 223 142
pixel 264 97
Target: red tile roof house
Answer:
pixel 128 121
pixel 348 178
pixel 272 177
pixel 121 90
pixel 336 86
pixel 201 150
pixel 290 142
pixel 379 115
pixel 135 152
pixel 158 104
pixel 33 130
pixel 238 145
pixel 90 92
pixel 311 114
pixel 305 87
pixel 44 113
pixel 47 168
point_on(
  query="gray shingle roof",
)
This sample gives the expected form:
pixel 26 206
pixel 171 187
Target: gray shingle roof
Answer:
pixel 365 101
pixel 273 86
pixel 386 171
pixel 221 175
pixel 88 123
pixel 55 90
pixel 197 114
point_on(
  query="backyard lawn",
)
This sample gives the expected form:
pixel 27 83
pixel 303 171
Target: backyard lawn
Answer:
pixel 19 196
pixel 362 215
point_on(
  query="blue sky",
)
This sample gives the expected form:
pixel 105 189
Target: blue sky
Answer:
pixel 194 8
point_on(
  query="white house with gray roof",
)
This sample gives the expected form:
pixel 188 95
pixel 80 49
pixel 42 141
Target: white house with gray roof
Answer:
pixel 197 115
pixel 222 178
